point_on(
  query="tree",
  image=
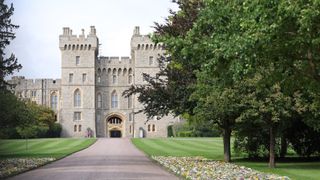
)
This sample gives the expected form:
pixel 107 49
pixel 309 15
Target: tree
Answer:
pixel 176 74
pixel 10 64
pixel 27 132
pixel 13 113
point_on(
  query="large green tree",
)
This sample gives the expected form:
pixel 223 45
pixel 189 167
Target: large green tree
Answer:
pixel 7 64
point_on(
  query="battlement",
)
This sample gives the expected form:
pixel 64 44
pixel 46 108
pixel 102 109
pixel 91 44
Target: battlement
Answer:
pixel 114 60
pixel 20 80
pixel 68 41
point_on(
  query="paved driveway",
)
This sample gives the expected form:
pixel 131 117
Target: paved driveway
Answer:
pixel 106 159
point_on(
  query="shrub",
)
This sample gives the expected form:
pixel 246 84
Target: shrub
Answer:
pixel 55 130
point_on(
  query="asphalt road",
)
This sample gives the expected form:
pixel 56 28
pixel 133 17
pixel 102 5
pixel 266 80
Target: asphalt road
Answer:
pixel 106 159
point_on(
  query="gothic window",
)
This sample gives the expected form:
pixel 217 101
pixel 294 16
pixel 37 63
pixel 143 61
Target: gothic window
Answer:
pixel 77 116
pixel 130 102
pixel 77 60
pixel 149 127
pixel 99 100
pixel 153 127
pixel 77 98
pixel 114 76
pixel 70 77
pixel 138 46
pixel 130 76
pixel 114 120
pixel 54 101
pixel 150 60
pixel 84 77
pixel 114 100
pixel 147 46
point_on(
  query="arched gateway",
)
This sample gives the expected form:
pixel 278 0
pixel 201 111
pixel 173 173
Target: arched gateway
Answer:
pixel 115 126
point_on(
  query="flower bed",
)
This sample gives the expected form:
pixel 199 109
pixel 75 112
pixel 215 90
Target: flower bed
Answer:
pixel 12 166
pixel 201 168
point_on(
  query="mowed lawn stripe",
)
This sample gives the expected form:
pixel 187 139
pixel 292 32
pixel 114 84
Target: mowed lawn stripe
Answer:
pixel 150 148
pixel 55 147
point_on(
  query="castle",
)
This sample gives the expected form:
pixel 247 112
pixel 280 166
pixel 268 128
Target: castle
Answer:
pixel 88 98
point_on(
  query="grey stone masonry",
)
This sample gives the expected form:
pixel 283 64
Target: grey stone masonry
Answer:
pixel 88 98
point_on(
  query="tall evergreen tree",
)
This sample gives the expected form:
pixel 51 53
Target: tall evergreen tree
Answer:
pixel 7 64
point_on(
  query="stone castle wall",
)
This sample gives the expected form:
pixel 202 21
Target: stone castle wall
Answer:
pixel 104 77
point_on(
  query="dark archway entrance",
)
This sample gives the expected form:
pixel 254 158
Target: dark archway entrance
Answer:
pixel 115 134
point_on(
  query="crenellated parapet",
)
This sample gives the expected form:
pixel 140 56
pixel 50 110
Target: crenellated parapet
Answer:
pixel 82 42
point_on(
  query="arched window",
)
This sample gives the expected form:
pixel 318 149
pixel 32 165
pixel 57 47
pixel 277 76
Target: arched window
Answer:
pixel 149 128
pixel 130 102
pixel 147 47
pixel 54 101
pixel 153 127
pixel 79 128
pixel 114 76
pixel 75 128
pixel 130 76
pixel 77 98
pixel 65 47
pixel 114 120
pixel 99 100
pixel 138 46
pixel 114 100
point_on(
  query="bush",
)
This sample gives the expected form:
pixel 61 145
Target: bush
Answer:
pixel 170 131
pixel 55 130
pixel 184 134
pixel 304 139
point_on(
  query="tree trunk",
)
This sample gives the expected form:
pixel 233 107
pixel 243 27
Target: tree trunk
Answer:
pixel 272 163
pixel 284 147
pixel 226 144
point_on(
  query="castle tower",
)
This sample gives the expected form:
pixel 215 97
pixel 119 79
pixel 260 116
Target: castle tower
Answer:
pixel 78 57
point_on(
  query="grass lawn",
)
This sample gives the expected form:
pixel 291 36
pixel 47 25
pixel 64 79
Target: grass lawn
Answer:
pixel 212 148
pixel 53 147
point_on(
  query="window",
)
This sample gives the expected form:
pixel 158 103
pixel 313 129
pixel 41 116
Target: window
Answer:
pixel 114 120
pixel 114 79
pixel 114 76
pixel 54 101
pixel 99 100
pixel 99 79
pixel 75 128
pixel 98 117
pixel 84 77
pixel 70 78
pixel 153 127
pixel 130 102
pixel 77 60
pixel 79 128
pixel 130 116
pixel 114 100
pixel 130 129
pixel 77 116
pixel 33 93
pixel 149 128
pixel 130 76
pixel 130 79
pixel 150 60
pixel 77 98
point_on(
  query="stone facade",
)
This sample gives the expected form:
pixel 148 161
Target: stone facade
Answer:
pixel 88 98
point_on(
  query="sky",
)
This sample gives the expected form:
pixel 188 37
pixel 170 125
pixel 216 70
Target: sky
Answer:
pixel 41 23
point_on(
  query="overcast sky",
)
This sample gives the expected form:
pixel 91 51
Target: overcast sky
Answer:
pixel 41 22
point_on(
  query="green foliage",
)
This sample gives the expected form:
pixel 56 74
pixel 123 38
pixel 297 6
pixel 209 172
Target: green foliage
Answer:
pixel 170 131
pixel 10 64
pixel 304 139
pixel 13 113
pixel 55 130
